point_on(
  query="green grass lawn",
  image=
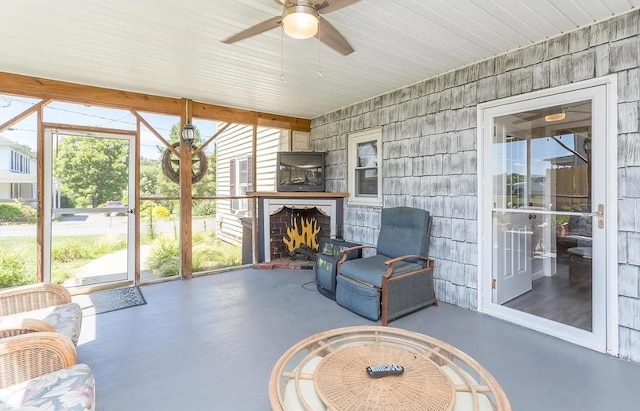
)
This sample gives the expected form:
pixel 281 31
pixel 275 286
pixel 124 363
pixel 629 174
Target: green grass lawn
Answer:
pixel 18 255
pixel 68 253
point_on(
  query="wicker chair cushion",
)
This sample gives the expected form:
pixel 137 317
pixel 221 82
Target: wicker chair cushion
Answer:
pixel 66 319
pixel 371 269
pixel 71 389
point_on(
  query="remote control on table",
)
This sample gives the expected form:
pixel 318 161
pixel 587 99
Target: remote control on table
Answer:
pixel 382 370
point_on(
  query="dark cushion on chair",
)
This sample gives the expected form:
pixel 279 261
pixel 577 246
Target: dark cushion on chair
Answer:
pixel 371 269
pixel 404 231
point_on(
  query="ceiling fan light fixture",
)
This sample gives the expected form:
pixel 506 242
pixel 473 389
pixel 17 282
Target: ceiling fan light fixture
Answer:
pixel 555 117
pixel 300 21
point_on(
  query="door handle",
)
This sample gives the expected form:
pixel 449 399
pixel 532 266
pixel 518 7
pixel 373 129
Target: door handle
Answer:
pixel 600 214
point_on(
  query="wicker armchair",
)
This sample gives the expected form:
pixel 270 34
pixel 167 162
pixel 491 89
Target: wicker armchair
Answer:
pixel 39 371
pixel 39 307
pixel 399 278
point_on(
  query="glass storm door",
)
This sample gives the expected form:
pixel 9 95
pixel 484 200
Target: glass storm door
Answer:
pixel 544 219
pixel 89 224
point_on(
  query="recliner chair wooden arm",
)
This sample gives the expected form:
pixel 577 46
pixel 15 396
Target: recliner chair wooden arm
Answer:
pixel 345 252
pixel 428 263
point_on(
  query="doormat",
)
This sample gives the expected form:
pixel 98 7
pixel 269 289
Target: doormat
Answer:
pixel 110 300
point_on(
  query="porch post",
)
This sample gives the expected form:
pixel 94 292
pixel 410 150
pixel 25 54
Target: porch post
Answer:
pixel 254 200
pixel 185 196
pixel 40 198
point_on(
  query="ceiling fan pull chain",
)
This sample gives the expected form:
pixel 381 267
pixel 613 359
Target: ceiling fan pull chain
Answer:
pixel 282 54
pixel 319 52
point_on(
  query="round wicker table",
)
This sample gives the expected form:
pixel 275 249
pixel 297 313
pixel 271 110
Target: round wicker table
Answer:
pixel 327 371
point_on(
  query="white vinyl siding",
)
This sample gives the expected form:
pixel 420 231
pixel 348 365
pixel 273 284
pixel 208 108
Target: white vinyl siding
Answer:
pixel 234 146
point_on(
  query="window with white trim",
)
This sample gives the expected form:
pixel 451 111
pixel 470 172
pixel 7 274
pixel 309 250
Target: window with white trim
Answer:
pixel 365 168
pixel 240 183
pixel 20 163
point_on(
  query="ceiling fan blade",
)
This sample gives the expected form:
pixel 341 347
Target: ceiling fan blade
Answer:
pixel 327 6
pixel 267 25
pixel 330 36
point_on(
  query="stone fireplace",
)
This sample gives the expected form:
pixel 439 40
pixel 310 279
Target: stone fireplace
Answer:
pixel 292 227
pixel 279 211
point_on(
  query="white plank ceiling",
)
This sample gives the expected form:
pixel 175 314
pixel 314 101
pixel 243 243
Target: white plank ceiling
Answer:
pixel 172 48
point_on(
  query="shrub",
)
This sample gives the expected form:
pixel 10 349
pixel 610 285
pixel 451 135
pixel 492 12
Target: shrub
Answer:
pixel 66 201
pixel 170 205
pixel 164 258
pixel 60 273
pixel 17 213
pixel 12 269
pixel 107 244
pixel 160 211
pixel 207 254
pixel 204 236
pixel 214 255
pixel 70 250
pixel 203 208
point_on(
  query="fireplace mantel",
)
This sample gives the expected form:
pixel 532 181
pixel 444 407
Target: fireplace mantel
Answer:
pixel 295 194
pixel 331 204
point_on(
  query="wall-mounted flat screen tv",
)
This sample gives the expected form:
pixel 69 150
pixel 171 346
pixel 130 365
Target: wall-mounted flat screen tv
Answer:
pixel 300 171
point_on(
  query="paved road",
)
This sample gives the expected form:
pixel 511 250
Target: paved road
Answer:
pixel 98 224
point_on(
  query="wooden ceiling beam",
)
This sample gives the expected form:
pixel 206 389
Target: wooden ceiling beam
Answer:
pixel 78 93
pixel 17 84
pixel 240 116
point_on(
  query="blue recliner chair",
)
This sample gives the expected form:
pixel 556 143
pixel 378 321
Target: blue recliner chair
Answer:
pixel 399 278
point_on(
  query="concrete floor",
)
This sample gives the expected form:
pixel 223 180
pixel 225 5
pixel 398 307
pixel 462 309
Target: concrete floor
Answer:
pixel 210 344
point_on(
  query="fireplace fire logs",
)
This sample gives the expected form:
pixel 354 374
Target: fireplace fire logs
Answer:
pixel 302 239
pixel 295 233
pixel 303 253
pixel 305 234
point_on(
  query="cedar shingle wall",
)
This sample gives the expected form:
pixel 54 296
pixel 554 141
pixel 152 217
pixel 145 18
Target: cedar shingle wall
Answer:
pixel 429 152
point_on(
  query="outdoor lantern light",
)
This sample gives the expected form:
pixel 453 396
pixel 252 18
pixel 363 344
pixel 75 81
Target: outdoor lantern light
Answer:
pixel 300 21
pixel 189 134
pixel 587 146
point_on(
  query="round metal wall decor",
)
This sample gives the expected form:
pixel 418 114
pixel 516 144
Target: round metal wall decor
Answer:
pixel 171 164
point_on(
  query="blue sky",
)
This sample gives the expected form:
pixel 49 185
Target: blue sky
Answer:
pixel 541 149
pixel 24 132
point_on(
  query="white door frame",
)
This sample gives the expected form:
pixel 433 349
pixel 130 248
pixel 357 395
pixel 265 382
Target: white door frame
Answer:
pixel 130 137
pixel 609 342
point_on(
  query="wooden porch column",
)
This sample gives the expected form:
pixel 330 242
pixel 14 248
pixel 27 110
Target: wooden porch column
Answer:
pixel 186 203
pixel 254 200
pixel 136 206
pixel 40 147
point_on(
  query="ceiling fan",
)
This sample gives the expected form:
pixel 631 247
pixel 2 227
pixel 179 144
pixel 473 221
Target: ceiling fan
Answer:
pixel 300 19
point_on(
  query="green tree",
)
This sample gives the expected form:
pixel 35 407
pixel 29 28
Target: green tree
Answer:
pixel 92 170
pixel 207 186
pixel 150 173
